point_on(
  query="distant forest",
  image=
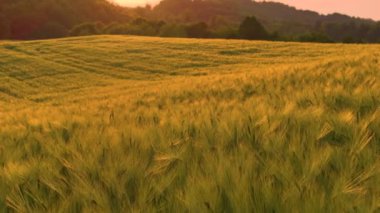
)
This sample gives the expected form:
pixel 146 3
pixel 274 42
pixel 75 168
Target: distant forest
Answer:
pixel 233 19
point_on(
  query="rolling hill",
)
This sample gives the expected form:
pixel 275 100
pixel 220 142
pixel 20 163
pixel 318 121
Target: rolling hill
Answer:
pixel 277 17
pixel 122 123
pixel 36 19
pixel 42 19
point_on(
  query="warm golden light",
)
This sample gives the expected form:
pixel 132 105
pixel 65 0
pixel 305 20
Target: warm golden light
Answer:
pixel 363 8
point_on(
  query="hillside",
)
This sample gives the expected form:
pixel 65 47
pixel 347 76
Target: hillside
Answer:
pixel 235 10
pixel 277 17
pixel 36 19
pixel 120 123
pixel 41 19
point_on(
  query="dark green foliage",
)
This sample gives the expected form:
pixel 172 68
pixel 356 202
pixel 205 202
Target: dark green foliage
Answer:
pixel 50 30
pixel 85 29
pixel 351 40
pixel 173 30
pixel 33 19
pixel 288 22
pixel 315 37
pixel 252 29
pixel 135 27
pixel 115 29
pixel 226 32
pixel 39 19
pixel 198 30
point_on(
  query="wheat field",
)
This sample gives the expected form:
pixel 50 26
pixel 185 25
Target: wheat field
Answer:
pixel 138 124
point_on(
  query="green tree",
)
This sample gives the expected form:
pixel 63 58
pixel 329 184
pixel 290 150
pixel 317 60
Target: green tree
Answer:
pixel 50 30
pixel 173 30
pixel 252 29
pixel 85 29
pixel 4 28
pixel 199 30
pixel 315 37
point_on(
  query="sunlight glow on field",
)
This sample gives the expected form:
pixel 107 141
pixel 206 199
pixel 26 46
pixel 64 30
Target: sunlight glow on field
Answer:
pixel 140 124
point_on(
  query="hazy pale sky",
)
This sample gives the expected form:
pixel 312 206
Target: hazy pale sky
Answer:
pixel 360 8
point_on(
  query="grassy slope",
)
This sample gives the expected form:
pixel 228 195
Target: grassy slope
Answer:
pixel 131 123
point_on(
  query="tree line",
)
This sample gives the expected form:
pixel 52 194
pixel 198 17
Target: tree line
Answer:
pixel 232 19
pixel 250 28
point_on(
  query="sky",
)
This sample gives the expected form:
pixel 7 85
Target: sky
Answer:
pixel 359 8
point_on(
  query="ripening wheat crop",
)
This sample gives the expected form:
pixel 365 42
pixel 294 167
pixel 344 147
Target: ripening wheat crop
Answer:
pixel 136 124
